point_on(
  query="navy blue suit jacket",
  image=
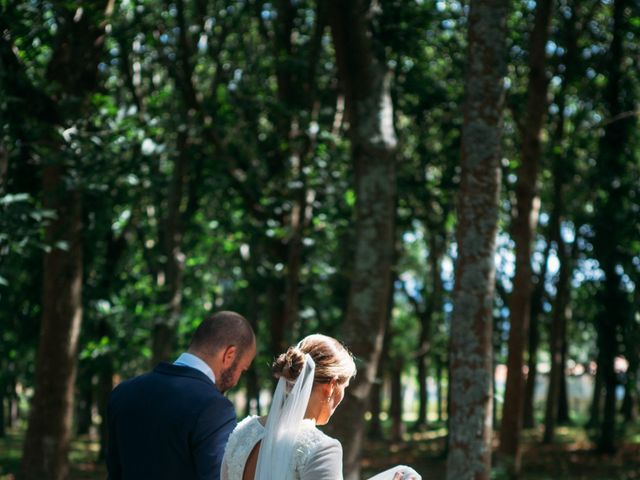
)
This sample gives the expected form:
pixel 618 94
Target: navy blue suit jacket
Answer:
pixel 171 423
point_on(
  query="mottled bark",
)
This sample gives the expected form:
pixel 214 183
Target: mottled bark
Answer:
pixel 471 358
pixel 523 233
pixel 72 75
pixel 364 79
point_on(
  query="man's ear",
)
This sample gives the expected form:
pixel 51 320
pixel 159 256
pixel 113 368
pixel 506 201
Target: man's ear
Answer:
pixel 229 355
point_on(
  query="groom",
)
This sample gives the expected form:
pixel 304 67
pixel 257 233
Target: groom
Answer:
pixel 174 421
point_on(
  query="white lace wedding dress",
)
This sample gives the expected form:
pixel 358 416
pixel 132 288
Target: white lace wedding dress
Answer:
pixel 291 447
pixel 316 457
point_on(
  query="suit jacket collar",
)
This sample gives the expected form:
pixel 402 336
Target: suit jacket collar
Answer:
pixel 165 368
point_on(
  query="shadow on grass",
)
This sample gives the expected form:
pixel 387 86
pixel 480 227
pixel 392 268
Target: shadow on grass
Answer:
pixel 83 455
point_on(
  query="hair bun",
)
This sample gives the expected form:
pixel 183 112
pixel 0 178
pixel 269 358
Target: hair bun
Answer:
pixel 289 364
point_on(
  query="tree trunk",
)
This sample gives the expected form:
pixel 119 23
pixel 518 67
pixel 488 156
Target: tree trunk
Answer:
pixel 373 147
pixel 434 304
pixel 528 420
pixel 73 69
pixel 557 335
pixel 471 344
pixel 629 407
pixel 3 415
pixel 164 333
pixel 423 399
pixel 105 385
pixel 84 404
pixel 375 427
pixel 611 166
pixel 439 390
pixel 608 350
pixel 297 96
pixel 395 408
pixel 564 417
pixel 13 413
pixel 596 400
pixel 524 227
pixel 46 444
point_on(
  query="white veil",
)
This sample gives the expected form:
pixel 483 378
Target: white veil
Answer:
pixel 283 423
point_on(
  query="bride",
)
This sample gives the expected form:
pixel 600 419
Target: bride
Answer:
pixel 286 445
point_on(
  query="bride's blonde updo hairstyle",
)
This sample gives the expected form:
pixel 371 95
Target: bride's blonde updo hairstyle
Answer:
pixel 332 360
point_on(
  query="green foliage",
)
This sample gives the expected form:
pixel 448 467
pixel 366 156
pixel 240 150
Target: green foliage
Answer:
pixel 255 107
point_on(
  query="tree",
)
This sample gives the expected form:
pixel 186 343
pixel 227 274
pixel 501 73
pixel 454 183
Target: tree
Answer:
pixel 471 366
pixel 365 81
pixel 72 74
pixel 610 219
pixel 524 226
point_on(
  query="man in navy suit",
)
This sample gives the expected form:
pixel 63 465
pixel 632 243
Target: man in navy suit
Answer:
pixel 174 422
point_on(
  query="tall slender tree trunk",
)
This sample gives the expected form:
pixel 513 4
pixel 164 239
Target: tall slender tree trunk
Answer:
pixel 375 426
pixel 611 167
pixel 608 347
pixel 373 146
pixel 596 399
pixel 629 407
pixel 434 304
pixel 423 399
pixel 73 70
pixel 3 414
pixel 84 403
pixel 524 227
pixel 528 420
pixel 564 415
pixel 46 445
pixel 471 351
pixel 557 334
pixel 164 333
pixel 395 408
pixel 13 413
pixel 297 96
pixel 439 388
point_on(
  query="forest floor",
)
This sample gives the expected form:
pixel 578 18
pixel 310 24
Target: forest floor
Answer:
pixel 571 457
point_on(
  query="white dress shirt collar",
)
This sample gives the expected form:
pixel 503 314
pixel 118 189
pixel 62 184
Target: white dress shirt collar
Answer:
pixel 193 361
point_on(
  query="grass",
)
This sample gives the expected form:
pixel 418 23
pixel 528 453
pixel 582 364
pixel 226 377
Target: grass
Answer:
pixel 83 455
pixel 571 456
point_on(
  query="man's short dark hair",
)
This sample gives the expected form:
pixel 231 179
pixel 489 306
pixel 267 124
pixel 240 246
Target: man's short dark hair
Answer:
pixel 222 330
